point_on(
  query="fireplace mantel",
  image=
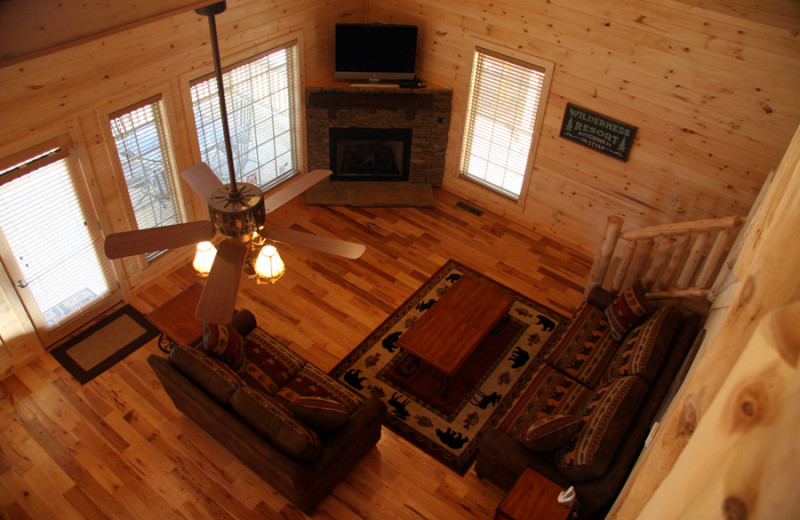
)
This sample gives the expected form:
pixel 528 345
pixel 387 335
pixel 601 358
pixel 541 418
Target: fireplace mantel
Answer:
pixel 410 102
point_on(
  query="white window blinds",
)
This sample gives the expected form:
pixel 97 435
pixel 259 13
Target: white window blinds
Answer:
pixel 50 235
pixel 261 99
pixel 145 157
pixel 504 101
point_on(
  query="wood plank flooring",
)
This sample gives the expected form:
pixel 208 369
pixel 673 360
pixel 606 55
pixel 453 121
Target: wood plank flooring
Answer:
pixel 117 447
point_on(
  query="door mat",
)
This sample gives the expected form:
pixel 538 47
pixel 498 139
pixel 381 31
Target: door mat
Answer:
pixel 449 425
pixel 104 344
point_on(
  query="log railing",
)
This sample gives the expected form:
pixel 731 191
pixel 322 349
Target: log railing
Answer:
pixel 672 260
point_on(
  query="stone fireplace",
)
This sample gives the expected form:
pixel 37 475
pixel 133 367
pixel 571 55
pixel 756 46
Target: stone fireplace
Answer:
pixel 386 146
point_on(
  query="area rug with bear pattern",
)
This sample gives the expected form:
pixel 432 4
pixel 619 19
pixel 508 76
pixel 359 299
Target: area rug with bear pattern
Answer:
pixel 449 424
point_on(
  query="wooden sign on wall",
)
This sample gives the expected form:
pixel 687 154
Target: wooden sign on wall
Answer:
pixel 598 132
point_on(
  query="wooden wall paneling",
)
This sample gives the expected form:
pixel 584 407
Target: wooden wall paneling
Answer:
pixel 704 117
pixel 19 343
pixel 58 25
pixel 770 12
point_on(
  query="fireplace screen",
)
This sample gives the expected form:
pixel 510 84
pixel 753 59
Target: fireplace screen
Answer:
pixel 370 154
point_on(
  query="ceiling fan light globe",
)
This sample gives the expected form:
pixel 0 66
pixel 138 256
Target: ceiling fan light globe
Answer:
pixel 269 266
pixel 204 258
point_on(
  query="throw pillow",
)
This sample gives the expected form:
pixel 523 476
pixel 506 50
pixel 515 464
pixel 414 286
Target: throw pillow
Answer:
pixel 549 432
pixel 608 415
pixel 271 420
pixel 270 364
pixel 584 351
pixel 310 381
pixel 644 348
pixel 321 413
pixel 224 342
pixel 627 309
pixel 209 373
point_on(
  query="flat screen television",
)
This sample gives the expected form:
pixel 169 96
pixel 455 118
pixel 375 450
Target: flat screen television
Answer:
pixel 375 51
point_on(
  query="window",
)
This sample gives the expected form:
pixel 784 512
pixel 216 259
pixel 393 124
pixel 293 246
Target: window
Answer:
pixel 503 120
pixel 260 97
pixel 144 154
pixel 50 242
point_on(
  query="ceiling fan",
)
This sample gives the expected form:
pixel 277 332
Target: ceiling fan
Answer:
pixel 237 210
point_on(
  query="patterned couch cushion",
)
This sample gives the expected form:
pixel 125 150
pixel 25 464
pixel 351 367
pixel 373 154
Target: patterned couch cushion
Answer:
pixel 310 381
pixel 225 343
pixel 270 364
pixel 209 373
pixel 608 414
pixel 629 307
pixel 586 348
pixel 272 420
pixel 321 413
pixel 550 392
pixel 645 347
pixel 549 432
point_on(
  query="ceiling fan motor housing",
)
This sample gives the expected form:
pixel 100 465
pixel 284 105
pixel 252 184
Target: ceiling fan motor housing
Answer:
pixel 239 212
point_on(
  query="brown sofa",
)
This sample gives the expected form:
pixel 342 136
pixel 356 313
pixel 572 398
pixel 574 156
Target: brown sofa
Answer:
pixel 592 400
pixel 252 405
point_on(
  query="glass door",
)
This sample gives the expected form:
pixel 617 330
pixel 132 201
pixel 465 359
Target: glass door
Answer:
pixel 50 242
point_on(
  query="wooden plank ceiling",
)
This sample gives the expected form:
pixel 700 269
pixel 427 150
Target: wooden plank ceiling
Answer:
pixel 32 28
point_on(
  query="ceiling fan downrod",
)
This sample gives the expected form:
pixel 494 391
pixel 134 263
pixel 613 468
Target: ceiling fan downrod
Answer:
pixel 237 210
pixel 210 11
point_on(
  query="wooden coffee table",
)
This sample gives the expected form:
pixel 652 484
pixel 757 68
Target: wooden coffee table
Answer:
pixel 457 322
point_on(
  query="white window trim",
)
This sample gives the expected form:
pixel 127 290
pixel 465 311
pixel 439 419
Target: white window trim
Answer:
pixel 477 189
pixel 70 134
pixel 135 267
pixel 252 53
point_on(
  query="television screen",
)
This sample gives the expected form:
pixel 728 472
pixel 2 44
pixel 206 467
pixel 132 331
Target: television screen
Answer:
pixel 375 52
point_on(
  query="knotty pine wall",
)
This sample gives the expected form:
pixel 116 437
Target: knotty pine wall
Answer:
pixel 714 97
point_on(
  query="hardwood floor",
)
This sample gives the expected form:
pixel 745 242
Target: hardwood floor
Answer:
pixel 117 447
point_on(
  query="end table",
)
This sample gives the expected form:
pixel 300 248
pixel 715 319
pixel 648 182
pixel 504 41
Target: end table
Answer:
pixel 533 497
pixel 176 320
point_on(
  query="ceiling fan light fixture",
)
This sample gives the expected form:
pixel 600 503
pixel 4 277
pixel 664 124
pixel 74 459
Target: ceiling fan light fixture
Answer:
pixel 204 258
pixel 269 267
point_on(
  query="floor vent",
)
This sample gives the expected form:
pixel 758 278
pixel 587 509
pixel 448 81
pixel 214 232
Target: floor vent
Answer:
pixel 471 209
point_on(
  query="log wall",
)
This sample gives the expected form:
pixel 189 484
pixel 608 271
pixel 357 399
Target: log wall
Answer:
pixel 727 446
pixel 712 92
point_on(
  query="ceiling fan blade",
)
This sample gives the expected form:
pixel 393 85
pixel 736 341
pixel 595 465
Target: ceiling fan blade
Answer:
pixel 128 243
pixel 294 188
pixel 201 179
pixel 218 300
pixel 333 246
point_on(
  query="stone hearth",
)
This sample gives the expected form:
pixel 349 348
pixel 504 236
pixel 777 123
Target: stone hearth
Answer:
pixel 426 112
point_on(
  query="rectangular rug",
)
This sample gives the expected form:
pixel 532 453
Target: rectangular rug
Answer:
pixel 105 343
pixel 481 391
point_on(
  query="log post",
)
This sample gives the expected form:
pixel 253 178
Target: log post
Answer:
pixel 622 270
pixel 603 256
pixel 709 268
pixel 695 256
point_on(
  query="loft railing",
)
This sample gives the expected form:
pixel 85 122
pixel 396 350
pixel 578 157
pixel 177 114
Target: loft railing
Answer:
pixel 672 260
